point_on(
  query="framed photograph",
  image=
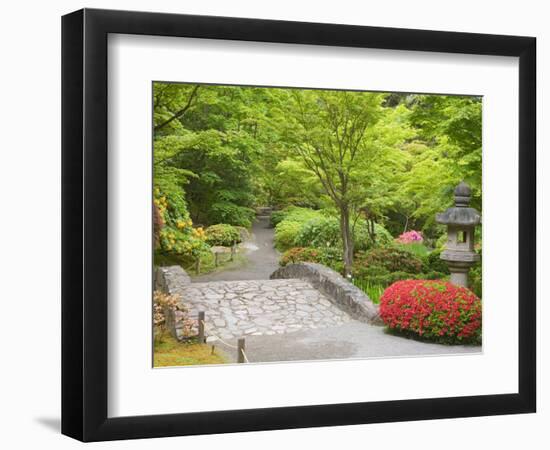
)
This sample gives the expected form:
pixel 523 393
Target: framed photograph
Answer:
pixel 273 224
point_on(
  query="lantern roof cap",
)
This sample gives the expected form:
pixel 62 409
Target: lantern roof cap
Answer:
pixel 460 214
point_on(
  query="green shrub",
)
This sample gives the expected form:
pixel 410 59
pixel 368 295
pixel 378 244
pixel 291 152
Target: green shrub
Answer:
pixel 319 232
pixel 396 276
pixel 475 277
pixel 433 262
pixel 222 234
pixel 392 259
pixel 288 224
pixel 300 254
pixel 363 239
pixel 384 266
pixel 329 257
pixel 277 217
pixel 369 271
pixel 433 275
pixel 416 248
pixel 332 257
pixel 294 221
pixel 294 214
pixel 285 234
pixel 318 229
pixel 230 213
pixel 325 232
pixel 387 278
pixel 243 232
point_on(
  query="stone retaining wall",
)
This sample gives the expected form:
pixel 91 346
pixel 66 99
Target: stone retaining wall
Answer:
pixel 337 289
pixel 172 280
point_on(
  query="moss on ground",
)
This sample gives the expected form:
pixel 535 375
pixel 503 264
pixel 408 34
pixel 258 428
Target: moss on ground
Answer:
pixel 169 352
pixel 207 262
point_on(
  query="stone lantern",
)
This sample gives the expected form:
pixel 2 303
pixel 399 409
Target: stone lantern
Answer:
pixel 461 221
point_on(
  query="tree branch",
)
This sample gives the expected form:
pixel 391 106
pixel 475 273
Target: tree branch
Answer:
pixel 182 111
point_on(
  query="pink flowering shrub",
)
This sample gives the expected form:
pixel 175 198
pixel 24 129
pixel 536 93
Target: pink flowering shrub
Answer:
pixel 410 237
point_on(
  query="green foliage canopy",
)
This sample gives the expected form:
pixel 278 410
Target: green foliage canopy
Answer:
pixel 364 159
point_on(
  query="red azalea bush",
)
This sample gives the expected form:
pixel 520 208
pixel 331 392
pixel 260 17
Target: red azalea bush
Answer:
pixel 433 309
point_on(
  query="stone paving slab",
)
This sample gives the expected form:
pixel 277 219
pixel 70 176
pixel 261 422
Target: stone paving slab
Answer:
pixel 260 307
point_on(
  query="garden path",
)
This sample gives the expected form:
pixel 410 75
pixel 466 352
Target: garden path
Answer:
pixel 262 259
pixel 350 340
pixel 261 307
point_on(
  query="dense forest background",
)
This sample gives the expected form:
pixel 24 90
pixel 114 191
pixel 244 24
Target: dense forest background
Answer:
pixel 380 164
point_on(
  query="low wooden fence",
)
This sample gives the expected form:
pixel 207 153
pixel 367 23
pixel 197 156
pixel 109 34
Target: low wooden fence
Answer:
pixel 239 348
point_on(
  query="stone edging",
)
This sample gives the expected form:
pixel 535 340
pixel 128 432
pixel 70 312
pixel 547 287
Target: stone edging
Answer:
pixel 338 290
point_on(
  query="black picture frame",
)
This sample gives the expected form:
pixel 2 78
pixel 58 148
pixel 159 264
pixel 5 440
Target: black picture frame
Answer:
pixel 84 224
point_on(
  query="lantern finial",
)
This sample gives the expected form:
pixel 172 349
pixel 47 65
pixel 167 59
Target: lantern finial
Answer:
pixel 463 195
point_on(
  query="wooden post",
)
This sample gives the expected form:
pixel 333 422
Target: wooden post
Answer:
pixel 233 250
pixel 240 350
pixel 201 327
pixel 216 259
pixel 198 265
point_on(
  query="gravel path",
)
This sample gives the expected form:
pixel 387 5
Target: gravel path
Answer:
pixel 262 258
pixel 350 340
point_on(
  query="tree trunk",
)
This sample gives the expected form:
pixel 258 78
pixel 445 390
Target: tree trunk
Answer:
pixel 372 230
pixel 347 240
